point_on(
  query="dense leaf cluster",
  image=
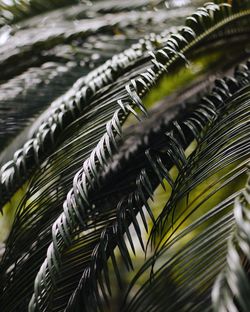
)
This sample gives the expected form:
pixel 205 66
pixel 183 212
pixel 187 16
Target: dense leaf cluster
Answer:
pixel 80 178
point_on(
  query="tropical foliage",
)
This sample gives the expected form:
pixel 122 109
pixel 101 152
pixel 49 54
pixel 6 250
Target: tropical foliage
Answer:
pixel 124 132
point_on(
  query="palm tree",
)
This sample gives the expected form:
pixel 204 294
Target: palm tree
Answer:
pixel 125 156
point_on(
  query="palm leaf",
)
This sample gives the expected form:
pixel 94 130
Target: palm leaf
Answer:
pixel 85 128
pixel 68 108
pixel 47 199
pixel 193 249
pixel 231 290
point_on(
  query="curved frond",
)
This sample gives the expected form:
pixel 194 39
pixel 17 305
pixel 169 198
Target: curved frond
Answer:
pixel 191 245
pixel 231 289
pixel 111 235
pixel 85 191
pixel 64 111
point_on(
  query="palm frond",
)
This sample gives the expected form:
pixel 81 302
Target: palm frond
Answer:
pixel 65 110
pixel 176 43
pixel 51 201
pixel 84 130
pixel 27 47
pixel 111 235
pixel 193 246
pixel 232 287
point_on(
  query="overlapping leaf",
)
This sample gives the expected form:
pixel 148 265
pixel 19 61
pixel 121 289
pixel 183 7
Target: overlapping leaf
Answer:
pixel 194 245
pixel 85 234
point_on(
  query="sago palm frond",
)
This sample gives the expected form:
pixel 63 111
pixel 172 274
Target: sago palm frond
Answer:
pixel 231 290
pixel 190 254
pixel 83 191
